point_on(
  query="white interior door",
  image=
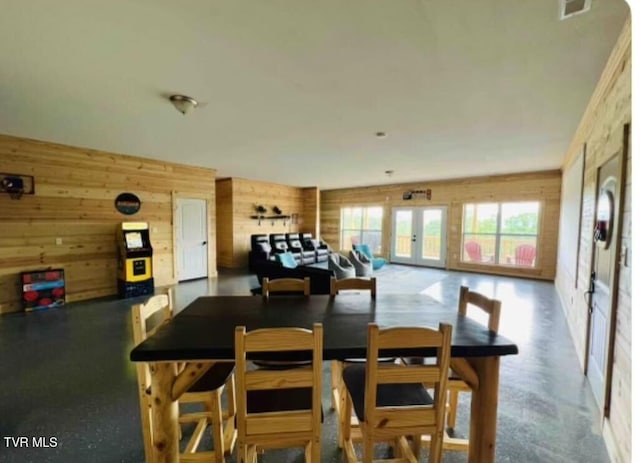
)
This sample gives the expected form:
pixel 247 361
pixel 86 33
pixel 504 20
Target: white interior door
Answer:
pixel 192 233
pixel 603 277
pixel 419 236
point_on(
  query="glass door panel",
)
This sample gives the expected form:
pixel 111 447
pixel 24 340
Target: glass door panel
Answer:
pixel 402 240
pixel 431 233
pixel 419 236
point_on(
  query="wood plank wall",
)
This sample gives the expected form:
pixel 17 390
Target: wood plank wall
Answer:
pixel 238 200
pixel 538 186
pixel 310 217
pixel 601 129
pixel 75 189
pixel 224 222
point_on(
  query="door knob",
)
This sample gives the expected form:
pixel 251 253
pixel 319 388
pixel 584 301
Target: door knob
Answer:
pixel 204 242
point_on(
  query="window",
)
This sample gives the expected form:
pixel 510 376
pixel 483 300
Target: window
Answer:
pixel 361 225
pixel 501 233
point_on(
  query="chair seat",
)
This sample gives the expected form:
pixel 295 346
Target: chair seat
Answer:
pixel 363 360
pixel 388 395
pixel 281 364
pixel 214 378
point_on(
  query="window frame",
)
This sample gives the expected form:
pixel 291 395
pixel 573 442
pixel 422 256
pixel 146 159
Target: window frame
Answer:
pixel 498 235
pixel 360 231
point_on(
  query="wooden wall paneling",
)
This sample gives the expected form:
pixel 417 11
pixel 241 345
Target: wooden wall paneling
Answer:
pixel 74 206
pixel 602 123
pixel 536 186
pixel 246 195
pixel 310 215
pixel 224 222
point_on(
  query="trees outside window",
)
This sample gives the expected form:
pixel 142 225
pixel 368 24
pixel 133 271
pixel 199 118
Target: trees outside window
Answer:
pixel 501 233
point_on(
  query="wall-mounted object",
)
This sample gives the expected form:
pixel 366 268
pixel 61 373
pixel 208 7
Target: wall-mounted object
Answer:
pixel 277 215
pixel 412 194
pixel 16 185
pixel 127 203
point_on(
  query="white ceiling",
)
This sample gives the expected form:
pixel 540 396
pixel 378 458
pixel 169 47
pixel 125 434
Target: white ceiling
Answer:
pixel 296 89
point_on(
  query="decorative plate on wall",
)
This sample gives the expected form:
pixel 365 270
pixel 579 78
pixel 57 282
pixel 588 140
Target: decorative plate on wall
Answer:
pixel 127 203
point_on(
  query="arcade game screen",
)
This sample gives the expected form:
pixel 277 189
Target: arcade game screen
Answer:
pixel 134 240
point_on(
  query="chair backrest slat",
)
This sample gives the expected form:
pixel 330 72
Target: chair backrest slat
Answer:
pixel 390 374
pixel 279 379
pixel 278 340
pixel 357 283
pixel 285 285
pixel 408 337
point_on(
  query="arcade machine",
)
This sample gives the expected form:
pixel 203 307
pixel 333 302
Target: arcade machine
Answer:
pixel 135 268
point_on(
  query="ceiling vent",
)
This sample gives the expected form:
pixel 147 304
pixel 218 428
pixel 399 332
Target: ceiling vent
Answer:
pixel 569 8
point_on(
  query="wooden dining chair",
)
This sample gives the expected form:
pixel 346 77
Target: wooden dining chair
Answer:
pixel 525 255
pixel 206 391
pixel 474 251
pixel 492 308
pixel 391 401
pixel 286 285
pixel 279 409
pixel 337 366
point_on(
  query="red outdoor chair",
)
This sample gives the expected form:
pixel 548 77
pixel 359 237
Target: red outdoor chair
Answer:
pixel 525 255
pixel 474 250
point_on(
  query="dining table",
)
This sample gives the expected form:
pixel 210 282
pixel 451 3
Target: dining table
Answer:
pixel 203 333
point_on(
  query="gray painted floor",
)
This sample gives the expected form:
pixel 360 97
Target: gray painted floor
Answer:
pixel 66 375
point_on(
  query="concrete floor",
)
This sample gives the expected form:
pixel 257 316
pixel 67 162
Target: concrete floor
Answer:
pixel 66 375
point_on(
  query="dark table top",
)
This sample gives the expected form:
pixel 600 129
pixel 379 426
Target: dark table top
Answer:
pixel 205 328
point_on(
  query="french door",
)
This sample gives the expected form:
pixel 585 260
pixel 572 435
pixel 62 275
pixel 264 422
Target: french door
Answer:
pixel 419 236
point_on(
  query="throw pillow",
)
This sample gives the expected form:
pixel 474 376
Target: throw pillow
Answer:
pixel 287 260
pixel 266 248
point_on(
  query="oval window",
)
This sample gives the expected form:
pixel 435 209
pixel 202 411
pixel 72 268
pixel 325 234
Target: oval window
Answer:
pixel 604 219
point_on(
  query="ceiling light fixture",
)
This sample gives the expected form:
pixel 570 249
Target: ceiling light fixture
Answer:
pixel 184 104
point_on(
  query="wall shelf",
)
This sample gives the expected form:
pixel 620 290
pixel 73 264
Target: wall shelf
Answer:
pixel 273 218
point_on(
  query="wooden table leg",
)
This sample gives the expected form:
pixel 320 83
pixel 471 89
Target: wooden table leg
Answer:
pixel 164 413
pixel 484 410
